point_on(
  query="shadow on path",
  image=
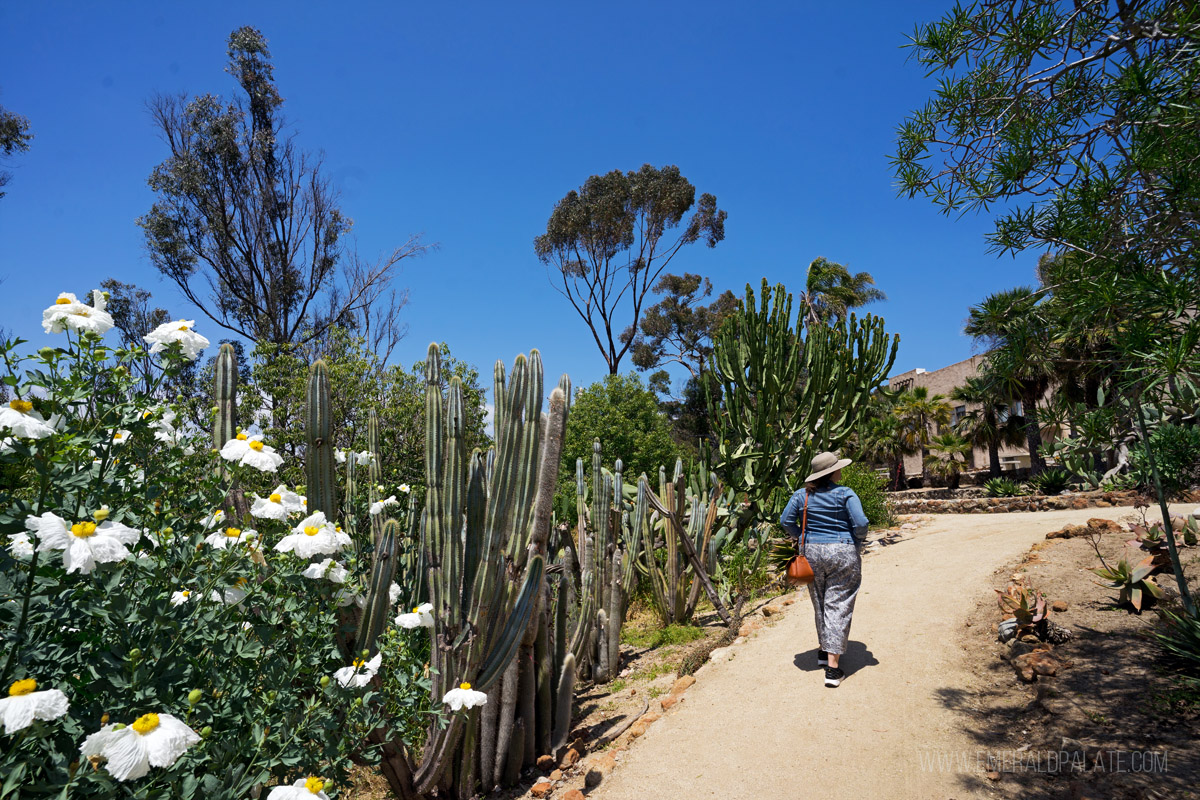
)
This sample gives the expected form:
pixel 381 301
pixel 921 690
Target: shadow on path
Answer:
pixel 855 658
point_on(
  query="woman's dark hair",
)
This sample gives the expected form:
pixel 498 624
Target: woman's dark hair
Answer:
pixel 820 484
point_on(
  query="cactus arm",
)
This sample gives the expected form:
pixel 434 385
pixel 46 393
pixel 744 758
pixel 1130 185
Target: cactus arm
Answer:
pixel 510 635
pixel 377 612
pixel 318 452
pixel 562 707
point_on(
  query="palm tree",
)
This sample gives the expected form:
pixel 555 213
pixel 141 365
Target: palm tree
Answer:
pixel 948 456
pixel 885 439
pixel 1020 357
pixel 831 291
pixel 922 414
pixel 981 425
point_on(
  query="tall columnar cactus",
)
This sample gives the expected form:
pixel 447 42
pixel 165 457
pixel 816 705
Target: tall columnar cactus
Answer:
pixel 788 392
pixel 688 521
pixel 318 452
pixel 485 528
pixel 225 380
pixel 376 473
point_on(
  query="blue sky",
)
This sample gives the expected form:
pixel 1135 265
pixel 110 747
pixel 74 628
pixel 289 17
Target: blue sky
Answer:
pixel 466 122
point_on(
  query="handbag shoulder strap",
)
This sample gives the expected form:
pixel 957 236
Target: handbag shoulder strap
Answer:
pixel 804 522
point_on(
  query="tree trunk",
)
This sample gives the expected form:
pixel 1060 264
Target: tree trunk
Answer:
pixel 1033 434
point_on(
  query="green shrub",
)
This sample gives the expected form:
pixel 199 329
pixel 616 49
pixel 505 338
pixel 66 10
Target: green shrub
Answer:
pixel 870 487
pixel 1050 482
pixel 1177 456
pixel 122 596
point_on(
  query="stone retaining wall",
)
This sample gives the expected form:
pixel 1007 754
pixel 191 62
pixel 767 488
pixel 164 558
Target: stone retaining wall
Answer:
pixel 1000 505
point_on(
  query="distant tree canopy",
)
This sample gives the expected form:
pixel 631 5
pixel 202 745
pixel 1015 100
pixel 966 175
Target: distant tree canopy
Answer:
pixel 609 241
pixel 248 227
pixel 831 291
pixel 14 138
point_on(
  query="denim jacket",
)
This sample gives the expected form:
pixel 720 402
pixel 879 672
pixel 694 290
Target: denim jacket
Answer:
pixel 834 515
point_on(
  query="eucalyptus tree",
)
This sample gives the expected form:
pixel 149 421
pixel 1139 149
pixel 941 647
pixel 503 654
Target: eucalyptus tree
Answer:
pixel 247 225
pixel 608 242
pixel 14 138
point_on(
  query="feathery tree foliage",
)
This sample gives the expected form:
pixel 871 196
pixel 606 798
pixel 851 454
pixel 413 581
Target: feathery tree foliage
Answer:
pixel 831 291
pixel 248 227
pixel 14 138
pixel 609 241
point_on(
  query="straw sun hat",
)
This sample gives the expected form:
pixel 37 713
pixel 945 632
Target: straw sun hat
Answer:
pixel 825 463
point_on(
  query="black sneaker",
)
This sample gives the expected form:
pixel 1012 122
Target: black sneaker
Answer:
pixel 822 658
pixel 833 676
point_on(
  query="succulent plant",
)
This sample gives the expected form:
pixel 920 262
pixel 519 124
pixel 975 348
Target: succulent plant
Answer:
pixel 1050 482
pixel 1002 487
pixel 1027 606
pixel 1136 588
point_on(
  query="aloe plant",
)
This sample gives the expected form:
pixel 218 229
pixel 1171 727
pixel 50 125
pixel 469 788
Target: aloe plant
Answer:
pixel 1136 588
pixel 1027 606
pixel 1002 487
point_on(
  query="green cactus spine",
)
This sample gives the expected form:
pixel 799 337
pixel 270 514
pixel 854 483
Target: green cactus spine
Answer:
pixel 225 379
pixel 318 454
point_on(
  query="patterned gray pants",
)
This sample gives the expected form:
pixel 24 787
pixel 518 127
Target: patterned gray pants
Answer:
pixel 837 573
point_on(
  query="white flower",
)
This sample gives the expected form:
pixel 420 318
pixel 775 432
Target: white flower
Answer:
pixel 230 596
pixel 404 487
pixel 84 544
pixel 178 331
pixel 364 458
pixel 421 617
pixel 339 456
pixel 314 536
pixel 328 568
pixel 393 596
pixel 464 697
pixel 359 673
pixel 305 789
pixel 120 437
pixel 24 704
pixel 68 312
pixel 378 506
pixel 278 505
pixel 250 451
pixel 181 597
pixel 213 520
pixel 19 417
pixel 229 537
pixel 20 546
pixel 154 740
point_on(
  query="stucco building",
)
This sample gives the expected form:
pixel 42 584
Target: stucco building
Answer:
pixel 943 381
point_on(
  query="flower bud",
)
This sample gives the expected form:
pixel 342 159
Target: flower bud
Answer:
pixel 194 696
pixel 104 719
pixel 206 732
pixel 47 353
pixel 120 726
pixel 358 702
pixel 135 654
pixel 325 682
pixel 100 515
pixel 167 531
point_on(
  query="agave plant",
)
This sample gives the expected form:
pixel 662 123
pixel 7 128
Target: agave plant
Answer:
pixel 1180 637
pixel 1002 487
pixel 1050 482
pixel 1134 582
pixel 1027 606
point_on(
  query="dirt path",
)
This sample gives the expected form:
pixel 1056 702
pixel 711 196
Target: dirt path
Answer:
pixel 763 726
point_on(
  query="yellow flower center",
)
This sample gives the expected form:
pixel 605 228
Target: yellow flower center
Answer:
pixel 275 498
pixel 186 593
pixel 82 313
pixel 20 688
pixel 21 406
pixel 146 414
pixel 117 435
pixel 145 723
pixel 100 515
pixel 311 530
pixel 358 662
pixel 417 610
pixel 314 784
pixel 183 327
pixel 84 529
pixel 256 446
pixel 464 686
pixel 233 533
pixel 63 301
pixel 242 437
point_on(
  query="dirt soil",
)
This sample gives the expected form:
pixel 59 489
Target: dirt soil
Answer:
pixel 928 707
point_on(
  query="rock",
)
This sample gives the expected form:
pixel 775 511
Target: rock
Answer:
pixel 1079 503
pixel 1038 662
pixel 1104 525
pixel 639 728
pixel 599 769
pixel 908 526
pixel 683 684
pixel 772 610
pixel 739 640
pixel 545 763
pixel 787 601
pixel 556 774
pixel 747 628
pixel 573 794
pixel 569 758
pixel 1069 532
pixel 541 789
pixel 993 775
pixel 721 654
pixel 1103 504
pixel 670 701
pixel 1006 629
pixel 1059 606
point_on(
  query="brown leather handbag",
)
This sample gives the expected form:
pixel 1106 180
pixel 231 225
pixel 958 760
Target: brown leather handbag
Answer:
pixel 799 571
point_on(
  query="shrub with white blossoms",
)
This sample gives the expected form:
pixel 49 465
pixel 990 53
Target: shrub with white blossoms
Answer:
pixel 152 642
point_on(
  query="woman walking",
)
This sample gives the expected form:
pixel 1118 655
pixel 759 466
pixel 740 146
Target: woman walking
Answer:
pixel 834 527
